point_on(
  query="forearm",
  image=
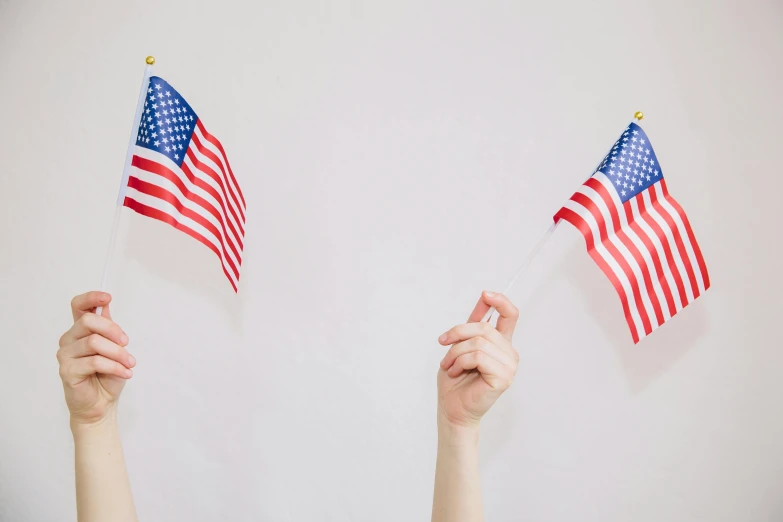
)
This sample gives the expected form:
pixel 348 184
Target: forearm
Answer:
pixel 457 489
pixel 103 491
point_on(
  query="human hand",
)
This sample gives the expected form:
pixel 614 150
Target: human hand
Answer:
pixel 479 366
pixel 94 363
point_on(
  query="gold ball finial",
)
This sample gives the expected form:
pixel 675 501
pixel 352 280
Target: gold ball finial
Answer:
pixel 639 115
pixel 151 61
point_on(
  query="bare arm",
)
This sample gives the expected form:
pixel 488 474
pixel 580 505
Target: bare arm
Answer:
pixel 94 365
pixel 477 369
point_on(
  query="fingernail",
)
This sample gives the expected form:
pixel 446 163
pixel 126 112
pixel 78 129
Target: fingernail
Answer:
pixel 443 337
pixel 489 294
pixel 132 360
pixel 104 297
pixel 124 339
pixel 128 374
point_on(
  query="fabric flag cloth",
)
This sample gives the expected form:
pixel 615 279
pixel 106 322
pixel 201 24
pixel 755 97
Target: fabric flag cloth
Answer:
pixel 180 175
pixel 638 234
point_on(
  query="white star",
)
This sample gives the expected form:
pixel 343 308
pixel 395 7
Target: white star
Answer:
pixel 618 182
pixel 152 97
pixel 638 156
pixel 652 162
pixel 622 159
pixel 149 90
pixel 633 139
pixel 157 86
pixel 656 172
pixel 637 163
pixel 611 172
pixel 177 102
pixel 171 103
pixel 647 151
pixel 641 182
pixel 176 156
pixel 180 146
pixel 154 134
pixel 168 149
pixel 623 193
pixel 648 177
pixel 157 143
pixel 635 132
pixel 163 131
pixel 627 176
pixel 168 93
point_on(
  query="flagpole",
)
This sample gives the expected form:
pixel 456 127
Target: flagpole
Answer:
pixel 533 253
pixel 536 249
pixel 125 173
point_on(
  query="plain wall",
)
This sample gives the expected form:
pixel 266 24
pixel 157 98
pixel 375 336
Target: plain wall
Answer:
pixel 397 158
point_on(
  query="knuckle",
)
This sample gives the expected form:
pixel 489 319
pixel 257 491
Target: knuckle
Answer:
pixel 95 363
pixel 94 341
pixel 513 311
pixel 480 343
pixel 62 341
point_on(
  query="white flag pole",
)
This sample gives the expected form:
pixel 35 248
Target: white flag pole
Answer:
pixel 125 173
pixel 533 253
pixel 541 242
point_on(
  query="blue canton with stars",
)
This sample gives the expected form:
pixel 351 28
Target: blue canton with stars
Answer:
pixel 167 123
pixel 631 165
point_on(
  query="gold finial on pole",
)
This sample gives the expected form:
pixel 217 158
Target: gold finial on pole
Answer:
pixel 151 61
pixel 639 114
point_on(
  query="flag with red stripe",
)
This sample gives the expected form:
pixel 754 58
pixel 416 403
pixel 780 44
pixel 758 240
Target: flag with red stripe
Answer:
pixel 638 234
pixel 180 175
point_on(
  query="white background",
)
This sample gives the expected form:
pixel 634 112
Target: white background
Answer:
pixel 397 158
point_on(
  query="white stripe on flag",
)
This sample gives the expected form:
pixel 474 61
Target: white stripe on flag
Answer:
pixel 170 187
pixel 610 261
pixel 167 208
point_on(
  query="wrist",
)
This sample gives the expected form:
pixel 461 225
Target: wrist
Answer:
pixel 457 433
pixel 81 427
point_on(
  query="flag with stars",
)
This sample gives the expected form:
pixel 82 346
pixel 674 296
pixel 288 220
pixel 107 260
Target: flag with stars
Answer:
pixel 638 234
pixel 180 175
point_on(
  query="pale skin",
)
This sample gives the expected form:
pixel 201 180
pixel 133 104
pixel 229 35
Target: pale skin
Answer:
pixel 94 365
pixel 478 367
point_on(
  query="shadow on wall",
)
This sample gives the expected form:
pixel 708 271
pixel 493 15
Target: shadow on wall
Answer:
pixel 643 363
pixel 180 259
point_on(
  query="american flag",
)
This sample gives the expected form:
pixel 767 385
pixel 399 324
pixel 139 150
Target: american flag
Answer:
pixel 180 175
pixel 638 234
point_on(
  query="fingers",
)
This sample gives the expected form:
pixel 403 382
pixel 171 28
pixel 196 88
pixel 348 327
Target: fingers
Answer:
pixel 89 324
pixel 88 302
pixel 476 344
pixel 466 331
pixel 509 314
pixel 95 344
pixel 79 369
pixel 496 374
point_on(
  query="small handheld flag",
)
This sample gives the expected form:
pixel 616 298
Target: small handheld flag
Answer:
pixel 178 173
pixel 638 234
